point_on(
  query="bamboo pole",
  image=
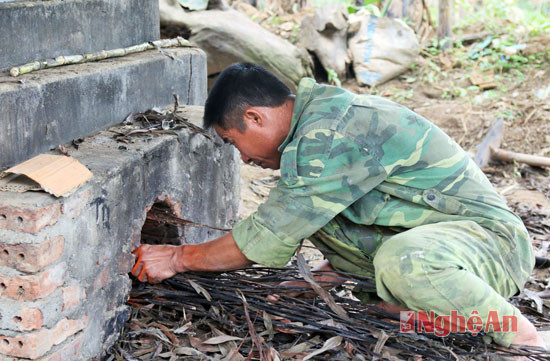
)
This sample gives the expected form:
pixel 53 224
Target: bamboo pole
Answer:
pixel 99 55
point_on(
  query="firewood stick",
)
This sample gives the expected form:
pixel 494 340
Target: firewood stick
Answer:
pixel 159 215
pixel 533 160
pixel 99 55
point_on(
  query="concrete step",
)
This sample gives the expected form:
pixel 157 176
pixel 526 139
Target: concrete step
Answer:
pixel 55 106
pixel 35 30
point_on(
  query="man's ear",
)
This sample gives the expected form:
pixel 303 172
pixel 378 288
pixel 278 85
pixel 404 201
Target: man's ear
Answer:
pixel 252 116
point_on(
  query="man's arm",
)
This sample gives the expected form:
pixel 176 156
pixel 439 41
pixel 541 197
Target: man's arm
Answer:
pixel 322 173
pixel 156 263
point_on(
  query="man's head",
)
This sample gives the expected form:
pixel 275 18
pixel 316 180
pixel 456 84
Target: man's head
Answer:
pixel 251 109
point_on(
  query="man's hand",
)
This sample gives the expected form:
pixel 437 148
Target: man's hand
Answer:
pixel 156 263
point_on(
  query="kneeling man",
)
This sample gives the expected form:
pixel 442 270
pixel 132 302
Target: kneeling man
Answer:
pixel 380 190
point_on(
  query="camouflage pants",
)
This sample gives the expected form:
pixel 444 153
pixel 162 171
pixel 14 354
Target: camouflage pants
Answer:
pixel 442 267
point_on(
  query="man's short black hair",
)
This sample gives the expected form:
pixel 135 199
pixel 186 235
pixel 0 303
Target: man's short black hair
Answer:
pixel 239 87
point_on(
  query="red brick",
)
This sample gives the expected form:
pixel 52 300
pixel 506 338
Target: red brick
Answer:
pixel 29 319
pixel 67 352
pixel 126 262
pixel 75 204
pixel 103 278
pixel 29 219
pixel 31 257
pixel 33 287
pixel 72 296
pixel 35 344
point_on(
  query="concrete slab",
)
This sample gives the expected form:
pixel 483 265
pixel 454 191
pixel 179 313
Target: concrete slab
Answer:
pixel 57 105
pixel 35 30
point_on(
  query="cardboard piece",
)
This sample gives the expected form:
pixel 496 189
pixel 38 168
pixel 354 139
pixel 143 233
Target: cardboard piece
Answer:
pixel 56 174
pixel 17 183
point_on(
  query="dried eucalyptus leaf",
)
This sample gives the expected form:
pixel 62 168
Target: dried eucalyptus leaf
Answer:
pixel 183 329
pixel 221 339
pixel 381 341
pixel 535 298
pixel 188 351
pixel 268 325
pixel 329 344
pixel 199 289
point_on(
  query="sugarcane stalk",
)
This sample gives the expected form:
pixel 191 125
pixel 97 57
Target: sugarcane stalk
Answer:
pixel 27 68
pixel 99 55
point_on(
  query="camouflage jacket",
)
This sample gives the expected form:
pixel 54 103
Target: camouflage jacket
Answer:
pixel 373 162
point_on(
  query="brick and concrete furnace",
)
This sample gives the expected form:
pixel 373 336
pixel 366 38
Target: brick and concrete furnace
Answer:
pixel 64 262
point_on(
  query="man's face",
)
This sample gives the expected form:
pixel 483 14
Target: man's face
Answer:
pixel 265 130
pixel 255 145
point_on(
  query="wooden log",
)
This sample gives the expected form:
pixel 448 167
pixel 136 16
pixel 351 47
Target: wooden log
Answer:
pixel 509 156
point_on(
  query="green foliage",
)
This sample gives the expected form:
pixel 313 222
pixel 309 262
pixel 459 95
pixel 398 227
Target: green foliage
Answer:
pixel 402 94
pixel 501 54
pixel 275 21
pixel 512 23
pixel 386 7
pixel 333 77
pixel 293 37
pixel 368 6
pixel 321 3
pixel 504 15
pixel 508 115
pixel 455 92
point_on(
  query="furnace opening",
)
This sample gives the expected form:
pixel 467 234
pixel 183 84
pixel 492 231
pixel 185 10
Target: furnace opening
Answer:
pixel 158 230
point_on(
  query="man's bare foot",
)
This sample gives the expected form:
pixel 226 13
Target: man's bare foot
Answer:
pixel 527 334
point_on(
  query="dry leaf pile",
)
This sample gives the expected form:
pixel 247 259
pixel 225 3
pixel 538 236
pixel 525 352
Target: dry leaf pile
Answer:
pixel 534 300
pixel 537 222
pixel 246 315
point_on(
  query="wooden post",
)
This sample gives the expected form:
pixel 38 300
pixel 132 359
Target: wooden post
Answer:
pixel 444 23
